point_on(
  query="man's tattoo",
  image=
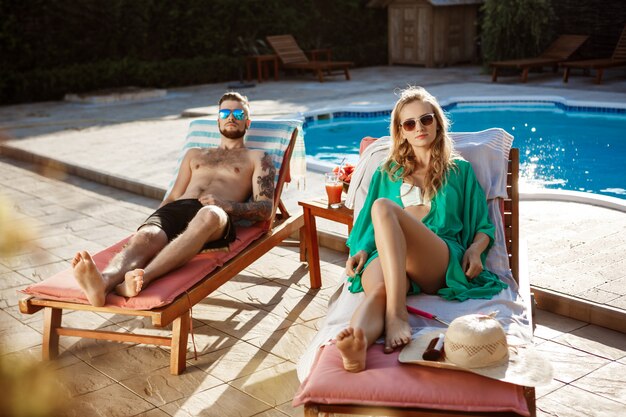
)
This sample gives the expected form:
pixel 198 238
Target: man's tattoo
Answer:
pixel 266 182
pixel 253 210
pixel 266 163
pixel 259 210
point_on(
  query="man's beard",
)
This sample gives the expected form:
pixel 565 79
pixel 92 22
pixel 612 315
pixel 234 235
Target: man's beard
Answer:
pixel 233 134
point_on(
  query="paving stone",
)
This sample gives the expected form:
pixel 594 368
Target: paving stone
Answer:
pixel 44 271
pixel 220 401
pixel 570 401
pixel 13 279
pixel 273 386
pixel 18 337
pixel 236 361
pixel 128 363
pixel 289 344
pixel 570 364
pixel 161 387
pixel 600 341
pixel 607 381
pixel 90 379
pixel 113 400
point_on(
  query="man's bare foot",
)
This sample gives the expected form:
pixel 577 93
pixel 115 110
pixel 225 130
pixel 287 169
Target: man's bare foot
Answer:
pixel 397 333
pixel 89 278
pixel 353 348
pixel 133 281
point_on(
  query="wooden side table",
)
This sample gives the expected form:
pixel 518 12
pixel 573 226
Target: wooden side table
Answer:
pixel 319 208
pixel 261 62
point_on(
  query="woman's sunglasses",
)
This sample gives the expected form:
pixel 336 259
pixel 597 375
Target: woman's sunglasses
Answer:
pixel 426 120
pixel 238 114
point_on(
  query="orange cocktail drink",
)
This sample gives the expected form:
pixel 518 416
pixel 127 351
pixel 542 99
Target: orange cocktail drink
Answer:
pixel 334 188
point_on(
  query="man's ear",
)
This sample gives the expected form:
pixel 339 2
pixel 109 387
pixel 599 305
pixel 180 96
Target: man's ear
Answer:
pixel 248 121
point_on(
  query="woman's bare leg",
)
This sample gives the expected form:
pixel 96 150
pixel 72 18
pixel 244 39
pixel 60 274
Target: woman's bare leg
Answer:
pixel 368 320
pixel 406 248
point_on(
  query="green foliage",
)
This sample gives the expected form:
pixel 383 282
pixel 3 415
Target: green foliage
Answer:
pixel 516 28
pixel 50 48
pixel 46 84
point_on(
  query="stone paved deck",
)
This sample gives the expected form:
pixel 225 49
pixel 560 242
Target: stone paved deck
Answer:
pixel 249 335
pixel 257 326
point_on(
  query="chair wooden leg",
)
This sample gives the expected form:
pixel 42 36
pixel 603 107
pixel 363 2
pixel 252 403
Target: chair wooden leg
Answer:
pixel 566 75
pixel 310 411
pixel 51 322
pixel 525 75
pixel 320 75
pixel 180 335
pixel 494 75
pixel 531 402
pixel 347 71
pixel 599 75
pixel 302 245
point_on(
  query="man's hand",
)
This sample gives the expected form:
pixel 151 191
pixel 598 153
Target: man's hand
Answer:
pixel 355 263
pixel 212 200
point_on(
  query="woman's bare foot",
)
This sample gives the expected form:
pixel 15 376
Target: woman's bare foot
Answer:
pixel 397 333
pixel 353 348
pixel 89 278
pixel 133 281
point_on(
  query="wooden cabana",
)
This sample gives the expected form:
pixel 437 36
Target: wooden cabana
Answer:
pixel 432 33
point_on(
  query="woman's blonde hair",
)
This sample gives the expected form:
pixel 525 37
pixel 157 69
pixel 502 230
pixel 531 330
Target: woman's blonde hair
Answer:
pixel 442 148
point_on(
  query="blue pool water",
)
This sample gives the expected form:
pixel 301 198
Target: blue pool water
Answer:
pixel 560 148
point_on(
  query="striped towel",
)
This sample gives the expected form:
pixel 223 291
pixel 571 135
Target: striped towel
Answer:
pixel 272 136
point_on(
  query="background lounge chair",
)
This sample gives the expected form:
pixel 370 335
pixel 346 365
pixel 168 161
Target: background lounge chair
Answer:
pixel 168 300
pixel 560 50
pixel 617 60
pixel 292 57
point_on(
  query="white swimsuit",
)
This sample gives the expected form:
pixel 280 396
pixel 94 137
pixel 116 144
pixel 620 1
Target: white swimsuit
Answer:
pixel 411 195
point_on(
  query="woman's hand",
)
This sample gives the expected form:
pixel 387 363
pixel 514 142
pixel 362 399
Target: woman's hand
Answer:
pixel 355 263
pixel 471 263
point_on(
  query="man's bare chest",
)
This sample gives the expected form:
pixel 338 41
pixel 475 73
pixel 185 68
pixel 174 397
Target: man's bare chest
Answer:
pixel 235 161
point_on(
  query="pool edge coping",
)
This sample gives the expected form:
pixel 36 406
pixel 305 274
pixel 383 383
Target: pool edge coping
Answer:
pixel 600 200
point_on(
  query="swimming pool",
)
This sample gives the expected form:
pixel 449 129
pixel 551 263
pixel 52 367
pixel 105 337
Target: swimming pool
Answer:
pixel 561 147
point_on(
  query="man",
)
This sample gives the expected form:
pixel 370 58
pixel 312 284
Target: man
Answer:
pixel 211 190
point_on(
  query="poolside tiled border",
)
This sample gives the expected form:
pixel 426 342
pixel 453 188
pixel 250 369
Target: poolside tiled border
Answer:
pixel 558 102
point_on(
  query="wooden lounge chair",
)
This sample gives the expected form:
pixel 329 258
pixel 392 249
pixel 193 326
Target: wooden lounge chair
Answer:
pixel 560 50
pixel 169 299
pixel 618 59
pixel 390 388
pixel 292 57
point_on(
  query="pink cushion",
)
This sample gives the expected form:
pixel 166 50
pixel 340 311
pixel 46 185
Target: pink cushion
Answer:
pixel 365 142
pixel 389 383
pixel 63 286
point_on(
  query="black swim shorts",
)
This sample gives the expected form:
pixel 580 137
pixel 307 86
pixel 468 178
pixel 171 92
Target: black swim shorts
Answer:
pixel 173 218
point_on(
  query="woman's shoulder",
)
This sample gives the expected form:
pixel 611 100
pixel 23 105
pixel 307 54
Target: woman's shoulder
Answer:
pixel 460 165
pixel 460 161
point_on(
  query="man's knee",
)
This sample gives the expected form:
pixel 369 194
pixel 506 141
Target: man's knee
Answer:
pixel 210 218
pixel 150 236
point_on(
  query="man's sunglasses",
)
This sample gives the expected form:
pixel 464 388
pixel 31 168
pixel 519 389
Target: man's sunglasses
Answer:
pixel 426 120
pixel 238 114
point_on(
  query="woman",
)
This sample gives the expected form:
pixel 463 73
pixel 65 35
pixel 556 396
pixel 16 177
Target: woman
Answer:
pixel 424 227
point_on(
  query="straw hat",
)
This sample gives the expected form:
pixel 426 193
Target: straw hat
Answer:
pixel 477 343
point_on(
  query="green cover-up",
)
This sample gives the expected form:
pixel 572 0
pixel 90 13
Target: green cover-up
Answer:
pixel 458 211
